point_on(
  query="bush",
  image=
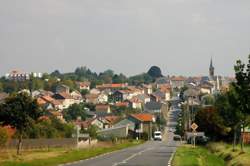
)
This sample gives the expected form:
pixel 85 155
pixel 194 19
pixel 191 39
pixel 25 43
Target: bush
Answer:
pixel 3 137
pixel 144 136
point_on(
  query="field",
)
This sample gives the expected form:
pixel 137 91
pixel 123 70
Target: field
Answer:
pixel 53 157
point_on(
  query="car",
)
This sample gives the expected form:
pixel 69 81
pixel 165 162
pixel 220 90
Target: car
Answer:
pixel 177 138
pixel 201 140
pixel 157 136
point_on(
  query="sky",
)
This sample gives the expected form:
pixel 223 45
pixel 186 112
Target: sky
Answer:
pixel 128 36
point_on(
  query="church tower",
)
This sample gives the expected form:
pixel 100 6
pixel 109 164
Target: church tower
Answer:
pixel 211 69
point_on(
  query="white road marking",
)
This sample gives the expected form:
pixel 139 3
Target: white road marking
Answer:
pixel 131 157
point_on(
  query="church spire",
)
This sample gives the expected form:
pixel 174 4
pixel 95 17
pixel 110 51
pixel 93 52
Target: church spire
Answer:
pixel 211 63
pixel 211 68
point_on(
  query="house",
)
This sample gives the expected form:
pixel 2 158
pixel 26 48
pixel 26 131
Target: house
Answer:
pixel 77 96
pixel 143 122
pixel 94 91
pixel 135 103
pixel 126 122
pixel 134 91
pixel 143 98
pixel 121 95
pixel 162 95
pixel 148 89
pixel 153 107
pixel 102 98
pixel 17 75
pixel 155 98
pixel 91 98
pixel 62 89
pixel 3 96
pixel 162 81
pixel 167 93
pixel 39 93
pixel 109 121
pixel 47 102
pixel 102 109
pixel 90 122
pixel 177 81
pixel 206 88
pixel 83 85
pixel 65 98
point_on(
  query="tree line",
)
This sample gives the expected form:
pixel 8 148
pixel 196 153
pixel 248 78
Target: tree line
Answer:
pixel 50 81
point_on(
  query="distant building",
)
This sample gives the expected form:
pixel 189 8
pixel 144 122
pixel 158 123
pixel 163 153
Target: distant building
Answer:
pixel 17 75
pixel 37 75
pixel 83 85
pixel 177 81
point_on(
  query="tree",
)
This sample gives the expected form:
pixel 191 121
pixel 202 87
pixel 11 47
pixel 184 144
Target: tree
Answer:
pixel 1 86
pixel 226 104
pixel 210 121
pixel 92 130
pixel 242 88
pixel 56 73
pixel 75 111
pixel 155 72
pixel 119 78
pixel 19 111
pixel 208 100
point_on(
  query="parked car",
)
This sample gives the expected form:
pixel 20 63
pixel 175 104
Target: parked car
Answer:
pixel 177 138
pixel 201 140
pixel 157 136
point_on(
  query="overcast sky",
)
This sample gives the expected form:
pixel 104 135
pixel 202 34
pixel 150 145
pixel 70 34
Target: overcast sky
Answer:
pixel 128 36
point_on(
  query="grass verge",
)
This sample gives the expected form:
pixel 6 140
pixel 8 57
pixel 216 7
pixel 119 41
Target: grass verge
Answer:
pixel 232 158
pixel 186 155
pixel 69 155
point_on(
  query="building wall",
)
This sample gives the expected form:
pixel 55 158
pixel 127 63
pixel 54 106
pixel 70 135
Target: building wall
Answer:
pixel 246 137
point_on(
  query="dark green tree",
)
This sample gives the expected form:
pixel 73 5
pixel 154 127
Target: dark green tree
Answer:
pixel 75 111
pixel 155 72
pixel 19 111
pixel 242 88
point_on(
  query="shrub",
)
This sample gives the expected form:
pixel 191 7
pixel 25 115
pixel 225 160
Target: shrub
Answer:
pixel 3 137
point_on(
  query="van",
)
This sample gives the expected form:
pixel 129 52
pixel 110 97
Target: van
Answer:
pixel 157 136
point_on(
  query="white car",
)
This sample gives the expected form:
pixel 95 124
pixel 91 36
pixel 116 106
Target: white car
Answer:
pixel 157 136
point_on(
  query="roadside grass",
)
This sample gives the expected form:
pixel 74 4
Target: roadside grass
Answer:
pixel 232 158
pixel 186 155
pixel 61 156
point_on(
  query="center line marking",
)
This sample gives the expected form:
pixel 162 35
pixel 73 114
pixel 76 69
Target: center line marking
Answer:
pixel 131 157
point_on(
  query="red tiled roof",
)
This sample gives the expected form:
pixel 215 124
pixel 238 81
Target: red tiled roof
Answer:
pixel 102 107
pixel 111 86
pixel 47 98
pixel 135 100
pixel 143 117
pixel 178 78
pixel 112 119
pixel 41 101
pixel 122 104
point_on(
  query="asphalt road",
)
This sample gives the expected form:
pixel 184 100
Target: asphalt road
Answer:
pixel 152 153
